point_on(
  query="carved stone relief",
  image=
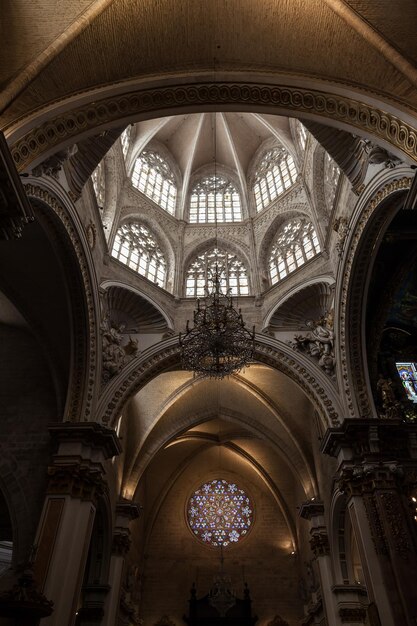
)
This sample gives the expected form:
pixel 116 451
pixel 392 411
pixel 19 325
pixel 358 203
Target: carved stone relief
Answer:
pixel 318 342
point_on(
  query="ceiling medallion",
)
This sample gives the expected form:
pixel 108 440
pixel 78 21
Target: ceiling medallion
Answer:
pixel 218 344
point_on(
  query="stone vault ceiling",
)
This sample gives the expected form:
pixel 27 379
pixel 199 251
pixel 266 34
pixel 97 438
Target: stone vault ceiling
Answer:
pixel 190 140
pixel 95 44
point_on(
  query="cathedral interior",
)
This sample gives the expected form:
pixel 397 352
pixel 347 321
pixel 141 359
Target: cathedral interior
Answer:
pixel 161 160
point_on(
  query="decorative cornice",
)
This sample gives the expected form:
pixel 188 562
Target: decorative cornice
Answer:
pixel 285 99
pixel 90 434
pixel 311 508
pixel 84 368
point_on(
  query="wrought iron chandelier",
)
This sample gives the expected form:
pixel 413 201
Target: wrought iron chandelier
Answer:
pixel 218 344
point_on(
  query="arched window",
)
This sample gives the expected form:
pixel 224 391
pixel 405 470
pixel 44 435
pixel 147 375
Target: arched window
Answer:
pixel 215 197
pixel 295 243
pixel 136 247
pixel 125 139
pixel 275 173
pixel 331 178
pixel 302 134
pixel 153 177
pixel 99 184
pixel 233 273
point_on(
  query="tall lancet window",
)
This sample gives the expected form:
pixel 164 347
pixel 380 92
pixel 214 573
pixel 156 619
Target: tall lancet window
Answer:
pixel 233 273
pixel 215 197
pixel 295 243
pixel 153 177
pixel 136 247
pixel 275 174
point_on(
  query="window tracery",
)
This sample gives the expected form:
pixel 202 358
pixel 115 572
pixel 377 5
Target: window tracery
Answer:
pixel 219 513
pixel 295 243
pixel 136 247
pixel 233 273
pixel 125 139
pixel 98 180
pixel 153 177
pixel 215 198
pixel 302 134
pixel 276 172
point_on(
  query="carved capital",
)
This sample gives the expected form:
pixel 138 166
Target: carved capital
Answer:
pixel 121 542
pixel 128 510
pixel 319 542
pixel 84 482
pixel 357 480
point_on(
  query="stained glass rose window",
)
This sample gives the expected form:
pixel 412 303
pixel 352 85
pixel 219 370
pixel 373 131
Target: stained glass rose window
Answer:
pixel 219 513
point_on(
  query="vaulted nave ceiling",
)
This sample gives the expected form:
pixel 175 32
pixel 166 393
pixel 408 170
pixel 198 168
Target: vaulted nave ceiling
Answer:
pixel 176 408
pixel 107 42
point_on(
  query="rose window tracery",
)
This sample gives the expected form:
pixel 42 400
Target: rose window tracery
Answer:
pixel 219 513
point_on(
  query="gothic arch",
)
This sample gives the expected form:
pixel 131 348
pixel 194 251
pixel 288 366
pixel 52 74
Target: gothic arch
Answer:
pixel 372 216
pixel 224 245
pixel 68 230
pixel 327 280
pixel 130 214
pixel 165 355
pixel 265 245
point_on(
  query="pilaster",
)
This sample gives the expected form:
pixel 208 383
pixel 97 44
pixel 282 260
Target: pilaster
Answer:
pixel 377 470
pixel 77 479
pixel 313 510
pixel 126 512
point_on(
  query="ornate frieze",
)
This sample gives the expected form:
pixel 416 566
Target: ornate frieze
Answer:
pixel 292 100
pixel 394 513
pixel 15 208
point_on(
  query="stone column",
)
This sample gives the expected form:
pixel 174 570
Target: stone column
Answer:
pixel 76 481
pixel 126 511
pixel 378 471
pixel 313 511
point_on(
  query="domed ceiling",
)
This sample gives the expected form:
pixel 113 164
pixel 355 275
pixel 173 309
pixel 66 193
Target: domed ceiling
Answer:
pixel 195 142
